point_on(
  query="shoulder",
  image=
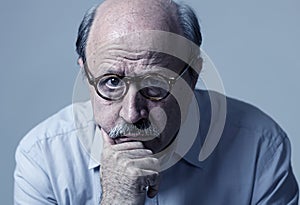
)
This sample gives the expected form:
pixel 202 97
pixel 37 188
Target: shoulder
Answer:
pixel 60 125
pixel 238 113
pixel 248 117
pixel 245 119
pixel 252 146
pixel 51 156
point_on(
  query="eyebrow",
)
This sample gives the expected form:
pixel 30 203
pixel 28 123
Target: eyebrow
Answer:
pixel 121 70
pixel 115 72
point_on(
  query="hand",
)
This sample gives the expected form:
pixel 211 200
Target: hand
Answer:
pixel 127 172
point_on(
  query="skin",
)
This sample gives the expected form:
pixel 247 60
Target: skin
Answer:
pixel 128 164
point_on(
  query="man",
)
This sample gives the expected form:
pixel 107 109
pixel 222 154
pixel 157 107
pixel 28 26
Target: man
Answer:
pixel 139 140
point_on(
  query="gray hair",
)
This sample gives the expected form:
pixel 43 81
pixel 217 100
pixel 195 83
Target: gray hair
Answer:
pixel 187 20
pixel 83 32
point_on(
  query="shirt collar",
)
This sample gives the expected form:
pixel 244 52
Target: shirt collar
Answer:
pixel 96 149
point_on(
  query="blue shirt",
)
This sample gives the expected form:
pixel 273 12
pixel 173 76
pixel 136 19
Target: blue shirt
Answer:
pixel 58 161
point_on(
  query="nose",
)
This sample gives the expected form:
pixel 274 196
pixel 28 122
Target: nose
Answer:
pixel 134 106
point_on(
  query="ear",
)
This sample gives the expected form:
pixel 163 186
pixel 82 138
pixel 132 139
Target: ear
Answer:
pixel 195 70
pixel 80 62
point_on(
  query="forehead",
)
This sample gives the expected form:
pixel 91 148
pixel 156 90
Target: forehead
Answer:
pixel 141 49
pixel 130 31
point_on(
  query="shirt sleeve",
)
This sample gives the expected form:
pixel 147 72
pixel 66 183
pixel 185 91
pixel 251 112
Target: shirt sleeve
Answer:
pixel 275 182
pixel 31 183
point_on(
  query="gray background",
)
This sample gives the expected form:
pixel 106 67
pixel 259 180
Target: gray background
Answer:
pixel 254 44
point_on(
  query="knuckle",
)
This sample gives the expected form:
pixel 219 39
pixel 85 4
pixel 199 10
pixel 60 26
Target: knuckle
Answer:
pixel 118 156
pixel 115 156
pixel 134 172
pixel 153 161
pixel 128 164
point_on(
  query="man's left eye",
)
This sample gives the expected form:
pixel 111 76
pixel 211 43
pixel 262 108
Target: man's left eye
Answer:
pixel 155 82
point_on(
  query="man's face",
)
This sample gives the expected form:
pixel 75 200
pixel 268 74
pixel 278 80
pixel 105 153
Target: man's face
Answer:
pixel 132 57
pixel 135 110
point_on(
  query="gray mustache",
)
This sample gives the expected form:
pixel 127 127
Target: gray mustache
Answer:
pixel 142 129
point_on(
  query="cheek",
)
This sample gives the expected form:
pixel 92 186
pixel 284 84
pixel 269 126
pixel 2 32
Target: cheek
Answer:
pixel 105 113
pixel 174 117
pixel 169 118
pixel 158 117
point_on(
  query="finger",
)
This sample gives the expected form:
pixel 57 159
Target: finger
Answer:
pixel 136 153
pixel 147 181
pixel 146 163
pixel 146 177
pixel 106 139
pixel 128 146
pixel 137 169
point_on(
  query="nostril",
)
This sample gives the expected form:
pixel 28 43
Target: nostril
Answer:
pixel 142 124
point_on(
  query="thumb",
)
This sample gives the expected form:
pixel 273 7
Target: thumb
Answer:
pixel 106 139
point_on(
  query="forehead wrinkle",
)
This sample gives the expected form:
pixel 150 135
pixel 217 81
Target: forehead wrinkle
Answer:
pixel 117 54
pixel 133 68
pixel 126 66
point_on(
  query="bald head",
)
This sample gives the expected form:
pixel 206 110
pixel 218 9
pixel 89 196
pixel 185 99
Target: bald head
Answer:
pixel 115 18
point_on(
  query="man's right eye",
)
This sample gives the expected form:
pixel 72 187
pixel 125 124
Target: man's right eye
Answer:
pixel 111 82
